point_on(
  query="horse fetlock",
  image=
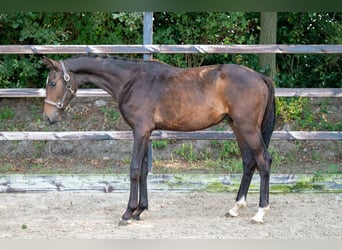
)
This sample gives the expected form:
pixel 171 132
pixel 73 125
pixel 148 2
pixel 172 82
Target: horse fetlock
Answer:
pixel 136 217
pixel 239 205
pixel 126 218
pixel 137 213
pixel 259 216
pixel 128 213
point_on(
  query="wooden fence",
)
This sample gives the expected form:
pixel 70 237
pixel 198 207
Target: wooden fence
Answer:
pixel 148 49
pixel 157 135
pixel 151 49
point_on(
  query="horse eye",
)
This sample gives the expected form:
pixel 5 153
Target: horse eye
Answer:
pixel 52 84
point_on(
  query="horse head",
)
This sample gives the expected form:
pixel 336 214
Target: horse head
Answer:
pixel 61 87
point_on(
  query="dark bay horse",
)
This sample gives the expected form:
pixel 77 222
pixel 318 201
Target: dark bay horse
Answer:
pixel 153 95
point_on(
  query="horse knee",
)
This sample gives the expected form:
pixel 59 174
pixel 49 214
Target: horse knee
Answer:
pixel 248 160
pixel 135 174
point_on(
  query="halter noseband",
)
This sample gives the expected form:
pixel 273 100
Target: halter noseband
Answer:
pixel 68 89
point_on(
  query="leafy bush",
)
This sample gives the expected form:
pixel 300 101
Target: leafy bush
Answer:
pixel 290 109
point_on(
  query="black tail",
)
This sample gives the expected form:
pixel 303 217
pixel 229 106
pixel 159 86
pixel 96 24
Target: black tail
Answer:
pixel 268 121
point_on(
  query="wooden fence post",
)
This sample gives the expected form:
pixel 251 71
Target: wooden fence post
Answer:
pixel 148 32
pixel 147 40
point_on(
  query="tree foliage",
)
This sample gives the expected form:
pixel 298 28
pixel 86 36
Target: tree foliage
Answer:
pixel 309 70
pixel 205 28
pixel 175 28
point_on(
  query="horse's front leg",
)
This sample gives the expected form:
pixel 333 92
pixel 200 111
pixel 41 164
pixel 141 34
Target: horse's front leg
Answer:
pixel 139 152
pixel 143 200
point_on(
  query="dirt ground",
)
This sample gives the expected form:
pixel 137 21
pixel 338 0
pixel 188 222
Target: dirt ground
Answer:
pixel 172 215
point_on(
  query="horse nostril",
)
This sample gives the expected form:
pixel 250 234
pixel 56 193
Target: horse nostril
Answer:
pixel 52 121
pixel 47 119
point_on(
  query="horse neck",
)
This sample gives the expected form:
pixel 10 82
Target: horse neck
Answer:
pixel 110 76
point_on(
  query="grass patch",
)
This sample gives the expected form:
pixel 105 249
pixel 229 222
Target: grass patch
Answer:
pixel 187 153
pixel 160 144
pixel 7 168
pixel 232 165
pixel 6 114
pixel 111 114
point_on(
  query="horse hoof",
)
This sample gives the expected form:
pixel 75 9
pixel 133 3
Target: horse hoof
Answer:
pixel 136 217
pixel 232 213
pixel 257 221
pixel 258 218
pixel 124 222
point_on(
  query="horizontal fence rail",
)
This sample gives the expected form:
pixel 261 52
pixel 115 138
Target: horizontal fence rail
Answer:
pixel 280 92
pixel 160 135
pixel 172 49
pixel 23 183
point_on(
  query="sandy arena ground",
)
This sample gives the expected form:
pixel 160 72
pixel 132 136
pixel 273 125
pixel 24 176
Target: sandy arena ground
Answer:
pixel 172 215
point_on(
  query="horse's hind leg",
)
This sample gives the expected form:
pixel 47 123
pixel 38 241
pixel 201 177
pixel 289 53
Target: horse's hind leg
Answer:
pixel 263 160
pixel 263 163
pixel 249 166
pixel 248 171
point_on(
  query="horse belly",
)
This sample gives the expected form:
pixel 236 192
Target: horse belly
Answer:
pixel 189 119
pixel 190 106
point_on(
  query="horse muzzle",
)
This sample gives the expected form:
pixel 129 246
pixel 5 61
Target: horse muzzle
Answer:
pixel 51 117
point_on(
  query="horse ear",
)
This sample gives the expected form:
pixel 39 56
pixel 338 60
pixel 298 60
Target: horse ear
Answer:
pixel 51 64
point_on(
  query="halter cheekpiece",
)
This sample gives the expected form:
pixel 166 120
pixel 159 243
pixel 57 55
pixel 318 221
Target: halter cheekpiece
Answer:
pixel 68 89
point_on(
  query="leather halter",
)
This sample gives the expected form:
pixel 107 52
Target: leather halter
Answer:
pixel 68 89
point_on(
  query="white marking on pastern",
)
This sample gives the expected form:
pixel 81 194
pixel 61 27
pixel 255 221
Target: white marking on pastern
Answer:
pixel 239 205
pixel 259 217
